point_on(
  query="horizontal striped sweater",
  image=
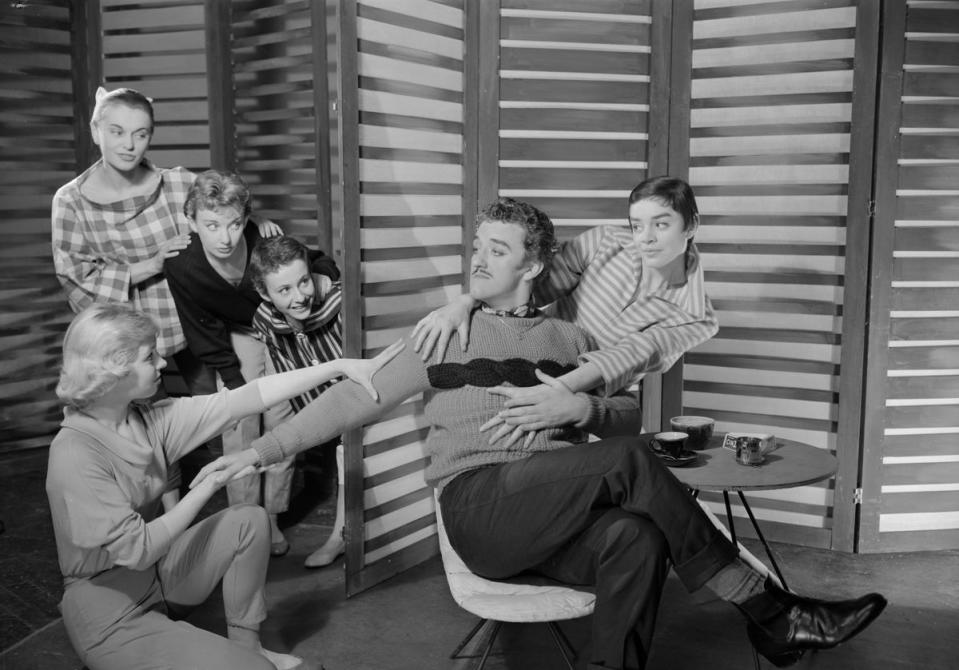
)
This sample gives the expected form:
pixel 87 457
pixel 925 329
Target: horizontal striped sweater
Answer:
pixel 457 403
pixel 593 282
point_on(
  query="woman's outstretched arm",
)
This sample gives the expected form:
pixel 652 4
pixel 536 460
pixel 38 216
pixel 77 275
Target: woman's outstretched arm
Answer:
pixel 342 407
pixel 259 394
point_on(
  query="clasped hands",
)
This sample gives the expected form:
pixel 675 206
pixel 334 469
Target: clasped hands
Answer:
pixel 228 467
pixel 530 409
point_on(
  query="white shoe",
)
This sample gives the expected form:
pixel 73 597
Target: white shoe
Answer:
pixel 326 554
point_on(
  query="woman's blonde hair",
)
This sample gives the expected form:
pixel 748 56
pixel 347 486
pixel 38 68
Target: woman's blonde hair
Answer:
pixel 100 345
pixel 121 96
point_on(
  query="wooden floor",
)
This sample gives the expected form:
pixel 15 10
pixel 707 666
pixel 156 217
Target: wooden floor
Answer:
pixel 411 623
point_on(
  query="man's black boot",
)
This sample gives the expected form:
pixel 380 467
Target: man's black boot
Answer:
pixel 782 625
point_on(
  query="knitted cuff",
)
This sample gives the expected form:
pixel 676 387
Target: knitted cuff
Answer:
pixel 594 415
pixel 268 448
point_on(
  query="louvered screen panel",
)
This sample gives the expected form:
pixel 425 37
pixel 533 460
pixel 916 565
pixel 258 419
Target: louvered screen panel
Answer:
pixel 158 48
pixel 333 118
pixel 275 115
pixel 769 154
pixel 37 156
pixel 574 82
pixel 918 478
pixel 410 135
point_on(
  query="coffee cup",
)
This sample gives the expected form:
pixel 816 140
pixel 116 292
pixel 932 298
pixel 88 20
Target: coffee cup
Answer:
pixel 670 443
pixel 699 429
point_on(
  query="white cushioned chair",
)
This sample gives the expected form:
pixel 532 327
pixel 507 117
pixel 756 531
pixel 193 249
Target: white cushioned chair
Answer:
pixel 526 599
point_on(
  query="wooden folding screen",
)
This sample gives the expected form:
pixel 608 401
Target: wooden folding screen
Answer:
pixel 567 118
pixel 277 65
pixel 54 56
pixel 400 96
pixel 911 440
pixel 779 124
pixel 159 48
pixel 572 106
pixel 38 152
pixel 767 107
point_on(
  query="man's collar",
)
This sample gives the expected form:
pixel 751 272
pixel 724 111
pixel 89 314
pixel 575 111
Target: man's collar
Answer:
pixel 523 311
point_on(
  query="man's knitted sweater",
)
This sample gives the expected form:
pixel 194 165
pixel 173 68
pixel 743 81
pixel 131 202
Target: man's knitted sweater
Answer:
pixel 502 350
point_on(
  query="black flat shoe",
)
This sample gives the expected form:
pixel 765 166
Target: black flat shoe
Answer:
pixel 807 623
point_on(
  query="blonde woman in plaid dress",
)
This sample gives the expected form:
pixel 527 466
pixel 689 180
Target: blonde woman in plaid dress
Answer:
pixel 115 224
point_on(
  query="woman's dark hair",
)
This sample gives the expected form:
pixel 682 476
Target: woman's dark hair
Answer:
pixel 540 241
pixel 671 191
pixel 272 253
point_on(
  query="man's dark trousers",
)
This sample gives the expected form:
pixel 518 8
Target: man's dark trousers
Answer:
pixel 604 513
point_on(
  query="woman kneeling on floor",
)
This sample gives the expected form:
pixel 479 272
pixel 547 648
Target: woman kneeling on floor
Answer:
pixel 127 566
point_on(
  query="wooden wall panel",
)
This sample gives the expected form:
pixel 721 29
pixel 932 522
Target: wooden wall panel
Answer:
pixel 409 244
pixel 769 152
pixel 911 479
pixel 159 48
pixel 38 154
pixel 278 66
pixel 574 89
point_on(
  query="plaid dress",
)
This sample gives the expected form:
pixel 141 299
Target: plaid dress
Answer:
pixel 95 243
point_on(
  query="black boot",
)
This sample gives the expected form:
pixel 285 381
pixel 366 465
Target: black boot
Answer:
pixel 783 625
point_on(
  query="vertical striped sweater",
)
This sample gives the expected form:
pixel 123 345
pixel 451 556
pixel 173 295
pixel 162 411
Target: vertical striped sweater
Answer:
pixel 593 283
pixel 315 340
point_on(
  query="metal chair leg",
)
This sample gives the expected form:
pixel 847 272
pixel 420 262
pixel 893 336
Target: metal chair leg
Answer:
pixel 565 648
pixel 471 635
pixel 559 637
pixel 466 640
pixel 496 627
pixel 562 636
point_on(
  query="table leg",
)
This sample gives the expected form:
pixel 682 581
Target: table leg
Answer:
pixel 729 518
pixel 732 537
pixel 762 538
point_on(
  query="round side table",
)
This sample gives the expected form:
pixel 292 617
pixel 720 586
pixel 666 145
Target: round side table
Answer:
pixel 788 464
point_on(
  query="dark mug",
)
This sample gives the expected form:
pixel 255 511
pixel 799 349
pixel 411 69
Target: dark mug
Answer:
pixel 699 429
pixel 672 443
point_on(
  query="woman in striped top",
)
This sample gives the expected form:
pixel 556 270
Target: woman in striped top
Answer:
pixel 638 291
pixel 302 325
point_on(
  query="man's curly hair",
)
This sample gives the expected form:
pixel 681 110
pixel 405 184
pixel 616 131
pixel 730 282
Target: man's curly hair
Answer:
pixel 540 243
